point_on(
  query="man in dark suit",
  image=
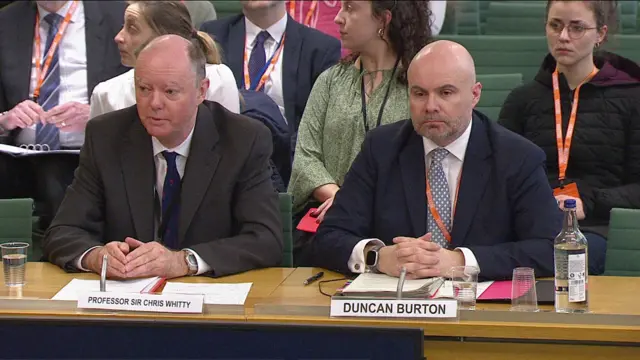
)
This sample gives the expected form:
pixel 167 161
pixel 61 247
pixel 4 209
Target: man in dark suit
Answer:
pixel 171 186
pixel 85 56
pixel 305 54
pixel 487 201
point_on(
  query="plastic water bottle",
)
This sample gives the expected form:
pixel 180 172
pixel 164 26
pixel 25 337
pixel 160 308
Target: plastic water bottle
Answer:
pixel 571 264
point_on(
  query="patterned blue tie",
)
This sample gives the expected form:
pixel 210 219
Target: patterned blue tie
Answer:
pixel 171 201
pixel 49 92
pixel 440 194
pixel 258 59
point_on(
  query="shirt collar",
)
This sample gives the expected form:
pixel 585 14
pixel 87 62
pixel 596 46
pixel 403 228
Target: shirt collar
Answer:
pixel 62 11
pixel 275 31
pixel 457 148
pixel 182 149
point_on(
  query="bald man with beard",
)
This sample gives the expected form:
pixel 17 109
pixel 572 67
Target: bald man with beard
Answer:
pixel 448 187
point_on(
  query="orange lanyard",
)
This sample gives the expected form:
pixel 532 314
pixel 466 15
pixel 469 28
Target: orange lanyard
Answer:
pixel 266 71
pixel 42 72
pixel 434 211
pixel 564 146
pixel 307 18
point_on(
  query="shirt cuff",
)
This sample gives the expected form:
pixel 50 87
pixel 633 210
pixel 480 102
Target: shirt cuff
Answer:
pixel 356 262
pixel 469 258
pixel 78 262
pixel 203 267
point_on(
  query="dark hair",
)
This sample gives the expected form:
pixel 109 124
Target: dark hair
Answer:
pixel 605 12
pixel 172 18
pixel 409 30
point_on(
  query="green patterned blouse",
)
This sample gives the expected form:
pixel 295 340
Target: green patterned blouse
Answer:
pixel 332 128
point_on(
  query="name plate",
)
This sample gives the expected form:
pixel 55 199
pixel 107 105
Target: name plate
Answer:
pixel 168 303
pixel 445 308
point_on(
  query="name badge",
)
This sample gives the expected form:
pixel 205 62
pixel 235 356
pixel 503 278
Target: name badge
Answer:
pixel 441 309
pixel 570 189
pixel 169 303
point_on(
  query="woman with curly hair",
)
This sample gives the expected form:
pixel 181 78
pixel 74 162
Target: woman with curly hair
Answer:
pixel 368 88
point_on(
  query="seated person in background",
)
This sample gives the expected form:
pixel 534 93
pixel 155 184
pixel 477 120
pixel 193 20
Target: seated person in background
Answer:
pixel 598 163
pixel 487 201
pixel 50 105
pixel 143 21
pixel 368 88
pixel 200 11
pixel 172 186
pixel 265 34
pixel 259 106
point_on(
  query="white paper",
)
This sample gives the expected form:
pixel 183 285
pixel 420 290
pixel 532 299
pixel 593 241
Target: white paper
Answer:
pixel 75 286
pixel 218 294
pixel 370 282
pixel 446 290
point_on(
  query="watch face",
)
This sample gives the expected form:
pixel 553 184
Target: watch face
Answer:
pixel 372 258
pixel 191 260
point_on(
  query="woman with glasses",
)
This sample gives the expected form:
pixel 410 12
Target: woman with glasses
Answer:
pixel 583 109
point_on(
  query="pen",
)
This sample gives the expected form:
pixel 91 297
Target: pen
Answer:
pixel 103 274
pixel 314 278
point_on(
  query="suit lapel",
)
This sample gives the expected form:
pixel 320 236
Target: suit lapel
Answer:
pixel 22 49
pixel 138 170
pixel 235 50
pixel 473 181
pixel 412 169
pixel 291 57
pixel 202 163
pixel 96 45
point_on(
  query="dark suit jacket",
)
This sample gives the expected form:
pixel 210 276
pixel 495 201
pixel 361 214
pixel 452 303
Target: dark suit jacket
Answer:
pixel 103 20
pixel 506 213
pixel 229 211
pixel 307 53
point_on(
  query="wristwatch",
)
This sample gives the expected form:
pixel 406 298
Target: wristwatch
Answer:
pixel 372 258
pixel 192 262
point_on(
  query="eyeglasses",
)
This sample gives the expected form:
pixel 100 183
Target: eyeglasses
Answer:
pixel 575 31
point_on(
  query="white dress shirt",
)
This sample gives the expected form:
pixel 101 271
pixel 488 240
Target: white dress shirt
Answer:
pixel 119 92
pixel 161 171
pixel 452 166
pixel 72 60
pixel 273 85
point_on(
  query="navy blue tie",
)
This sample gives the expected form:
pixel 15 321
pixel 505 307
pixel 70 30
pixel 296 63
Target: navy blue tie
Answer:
pixel 171 201
pixel 49 92
pixel 258 59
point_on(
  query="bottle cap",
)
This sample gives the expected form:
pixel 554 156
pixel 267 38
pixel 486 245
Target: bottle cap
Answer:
pixel 570 204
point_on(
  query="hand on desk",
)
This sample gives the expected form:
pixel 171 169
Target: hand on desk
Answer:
pixel 135 259
pixel 153 259
pixel 421 257
pixel 117 252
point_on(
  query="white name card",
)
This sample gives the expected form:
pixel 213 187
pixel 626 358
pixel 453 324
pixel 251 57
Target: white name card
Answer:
pixel 171 303
pixel 445 308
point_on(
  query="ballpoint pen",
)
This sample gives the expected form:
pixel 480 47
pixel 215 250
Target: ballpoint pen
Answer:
pixel 314 278
pixel 103 274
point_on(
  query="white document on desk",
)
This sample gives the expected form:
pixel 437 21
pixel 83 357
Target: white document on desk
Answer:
pixel 75 286
pixel 19 151
pixel 217 294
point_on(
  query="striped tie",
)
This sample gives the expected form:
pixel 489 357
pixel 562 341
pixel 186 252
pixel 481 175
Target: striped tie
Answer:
pixel 49 92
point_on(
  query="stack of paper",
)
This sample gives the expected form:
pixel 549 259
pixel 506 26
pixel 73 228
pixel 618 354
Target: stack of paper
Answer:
pixel 74 287
pixel 381 285
pixel 219 294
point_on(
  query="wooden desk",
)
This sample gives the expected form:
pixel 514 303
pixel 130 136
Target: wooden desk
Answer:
pixel 615 319
pixel 44 280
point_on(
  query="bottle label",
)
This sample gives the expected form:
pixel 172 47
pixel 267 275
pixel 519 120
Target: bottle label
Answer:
pixel 577 277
